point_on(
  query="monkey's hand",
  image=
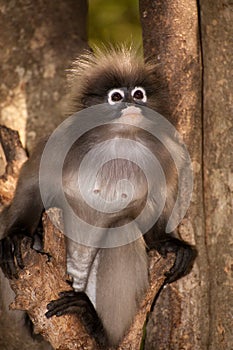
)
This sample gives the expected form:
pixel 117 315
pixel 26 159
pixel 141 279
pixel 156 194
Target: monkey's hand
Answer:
pixel 71 302
pixel 185 255
pixel 11 260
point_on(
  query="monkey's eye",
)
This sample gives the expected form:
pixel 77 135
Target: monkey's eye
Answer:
pixel 115 95
pixel 139 94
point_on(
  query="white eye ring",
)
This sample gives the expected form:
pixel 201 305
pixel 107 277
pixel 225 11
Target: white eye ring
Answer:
pixel 115 96
pixel 141 94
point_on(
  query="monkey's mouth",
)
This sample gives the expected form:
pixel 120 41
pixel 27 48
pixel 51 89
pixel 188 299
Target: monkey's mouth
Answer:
pixel 132 110
pixel 131 115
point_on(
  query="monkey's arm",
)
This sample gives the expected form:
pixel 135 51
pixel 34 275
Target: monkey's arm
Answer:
pixel 167 243
pixel 21 218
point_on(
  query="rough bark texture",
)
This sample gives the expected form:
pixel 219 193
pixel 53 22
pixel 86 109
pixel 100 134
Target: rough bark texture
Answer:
pixel 13 335
pixel 217 46
pixel 171 38
pixel 41 281
pixel 157 268
pixel 44 276
pixel 13 156
pixel 37 44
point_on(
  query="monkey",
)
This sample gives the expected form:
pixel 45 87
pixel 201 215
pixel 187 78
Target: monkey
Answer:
pixel 108 282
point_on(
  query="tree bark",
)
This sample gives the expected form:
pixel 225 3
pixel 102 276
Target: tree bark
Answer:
pixel 38 42
pixel 171 38
pixel 217 47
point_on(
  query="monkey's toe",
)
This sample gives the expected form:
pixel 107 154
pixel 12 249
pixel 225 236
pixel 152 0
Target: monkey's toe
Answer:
pixel 69 302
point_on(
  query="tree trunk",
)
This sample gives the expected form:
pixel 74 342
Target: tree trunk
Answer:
pixel 170 33
pixel 217 46
pixel 39 40
pixel 194 313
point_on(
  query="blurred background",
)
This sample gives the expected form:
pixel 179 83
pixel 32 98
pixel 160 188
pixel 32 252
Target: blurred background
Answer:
pixel 121 22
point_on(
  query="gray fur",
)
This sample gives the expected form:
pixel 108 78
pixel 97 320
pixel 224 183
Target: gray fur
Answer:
pixel 122 279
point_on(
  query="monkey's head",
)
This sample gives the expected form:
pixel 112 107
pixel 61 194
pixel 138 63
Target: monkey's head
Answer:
pixel 115 75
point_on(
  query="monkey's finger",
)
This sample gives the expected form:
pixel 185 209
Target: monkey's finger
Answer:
pixel 62 307
pixel 67 293
pixel 7 261
pixel 66 301
pixel 69 297
pixel 81 296
pixel 177 269
pixel 184 258
pixel 2 259
pixel 70 302
pixel 18 242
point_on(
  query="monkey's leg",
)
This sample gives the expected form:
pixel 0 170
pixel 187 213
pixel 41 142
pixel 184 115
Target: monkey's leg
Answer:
pixel 71 302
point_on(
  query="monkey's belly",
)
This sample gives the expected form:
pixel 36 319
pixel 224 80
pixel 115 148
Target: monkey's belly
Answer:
pixel 119 190
pixel 119 183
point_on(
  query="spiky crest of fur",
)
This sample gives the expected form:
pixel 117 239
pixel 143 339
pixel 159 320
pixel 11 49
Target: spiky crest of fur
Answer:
pixel 93 74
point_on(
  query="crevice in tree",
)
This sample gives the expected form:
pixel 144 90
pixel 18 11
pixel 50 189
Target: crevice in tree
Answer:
pixel 203 166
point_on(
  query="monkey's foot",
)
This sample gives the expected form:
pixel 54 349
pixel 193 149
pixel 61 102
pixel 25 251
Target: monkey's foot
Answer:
pixel 185 255
pixel 71 302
